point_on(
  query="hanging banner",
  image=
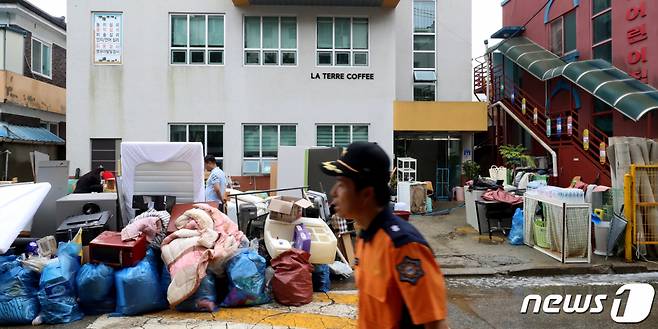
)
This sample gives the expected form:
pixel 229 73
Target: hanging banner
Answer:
pixel 523 106
pixel 548 127
pixel 602 153
pixel 559 126
pixel 586 139
pixel 534 116
pixel 570 125
pixel 108 38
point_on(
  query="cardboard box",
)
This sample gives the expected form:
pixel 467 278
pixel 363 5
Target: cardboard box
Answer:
pixel 287 209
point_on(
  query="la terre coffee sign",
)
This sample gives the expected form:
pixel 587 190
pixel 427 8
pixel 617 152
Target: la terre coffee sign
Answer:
pixel 342 76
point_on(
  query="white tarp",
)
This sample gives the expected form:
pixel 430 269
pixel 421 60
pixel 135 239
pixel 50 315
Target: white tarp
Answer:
pixel 155 154
pixel 18 204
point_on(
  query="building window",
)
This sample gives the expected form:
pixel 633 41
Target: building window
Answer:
pixel 602 30
pixel 53 127
pixel 270 40
pixel 599 6
pixel 105 152
pixel 602 116
pixel 197 39
pixel 424 51
pixel 261 144
pixel 41 58
pixel 563 34
pixel 341 135
pixel 342 41
pixel 210 135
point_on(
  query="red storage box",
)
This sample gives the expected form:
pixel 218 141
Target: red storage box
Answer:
pixel 108 249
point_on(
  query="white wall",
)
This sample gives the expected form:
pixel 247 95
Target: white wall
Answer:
pixel 454 72
pixel 136 101
pixel 39 27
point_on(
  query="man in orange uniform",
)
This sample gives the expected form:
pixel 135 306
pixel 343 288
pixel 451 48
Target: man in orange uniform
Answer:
pixel 400 284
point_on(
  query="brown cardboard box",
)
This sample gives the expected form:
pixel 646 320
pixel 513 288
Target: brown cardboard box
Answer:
pixel 287 209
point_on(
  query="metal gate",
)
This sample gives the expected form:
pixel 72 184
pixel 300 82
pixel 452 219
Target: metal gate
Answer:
pixel 641 207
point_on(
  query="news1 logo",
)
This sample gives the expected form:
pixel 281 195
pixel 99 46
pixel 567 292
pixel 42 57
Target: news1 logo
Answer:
pixel 638 303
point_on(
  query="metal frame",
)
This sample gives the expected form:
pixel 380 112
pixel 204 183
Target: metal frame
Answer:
pixel 561 256
pixel 631 204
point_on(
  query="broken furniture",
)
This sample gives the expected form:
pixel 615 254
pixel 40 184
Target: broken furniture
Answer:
pixel 107 248
pixel 79 204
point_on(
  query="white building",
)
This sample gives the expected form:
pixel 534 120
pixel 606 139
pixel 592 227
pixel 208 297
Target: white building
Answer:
pixel 244 76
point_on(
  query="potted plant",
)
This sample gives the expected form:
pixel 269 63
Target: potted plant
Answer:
pixel 514 157
pixel 471 169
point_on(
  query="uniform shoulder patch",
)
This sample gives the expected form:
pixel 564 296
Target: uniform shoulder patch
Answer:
pixel 410 270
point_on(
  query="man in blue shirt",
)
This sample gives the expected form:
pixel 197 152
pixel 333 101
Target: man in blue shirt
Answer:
pixel 216 183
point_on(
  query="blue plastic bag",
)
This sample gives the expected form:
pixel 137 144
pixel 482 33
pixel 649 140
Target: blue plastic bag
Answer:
pixel 204 299
pixel 246 276
pixel 321 278
pixel 138 288
pixel 165 281
pixel 95 284
pixel 515 236
pixel 57 294
pixel 19 302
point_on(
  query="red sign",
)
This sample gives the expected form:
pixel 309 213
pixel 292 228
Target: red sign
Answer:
pixel 637 55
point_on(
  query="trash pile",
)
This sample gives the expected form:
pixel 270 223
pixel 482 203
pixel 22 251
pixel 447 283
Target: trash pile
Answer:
pixel 206 263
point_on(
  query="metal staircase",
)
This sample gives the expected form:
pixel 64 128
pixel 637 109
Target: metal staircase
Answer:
pixel 522 104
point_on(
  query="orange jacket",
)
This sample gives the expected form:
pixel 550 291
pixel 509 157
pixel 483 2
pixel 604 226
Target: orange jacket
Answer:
pixel 400 283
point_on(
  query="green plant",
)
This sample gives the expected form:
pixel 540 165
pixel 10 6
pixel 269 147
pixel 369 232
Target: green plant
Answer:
pixel 513 155
pixel 471 169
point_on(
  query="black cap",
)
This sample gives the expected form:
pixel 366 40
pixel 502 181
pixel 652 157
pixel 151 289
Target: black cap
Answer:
pixel 362 161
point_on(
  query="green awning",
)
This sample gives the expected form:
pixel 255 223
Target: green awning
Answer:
pixel 530 56
pixel 613 86
pixel 598 77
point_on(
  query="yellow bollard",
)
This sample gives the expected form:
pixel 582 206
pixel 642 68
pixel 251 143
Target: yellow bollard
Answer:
pixel 628 213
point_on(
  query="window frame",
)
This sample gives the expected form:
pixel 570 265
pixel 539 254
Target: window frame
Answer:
pixel 261 159
pixel 261 50
pixel 333 50
pixel 333 132
pixel 188 49
pixel 43 45
pixel 414 52
pixel 593 17
pixel 205 134
pixel 563 51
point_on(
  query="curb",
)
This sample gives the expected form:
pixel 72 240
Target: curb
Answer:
pixel 561 269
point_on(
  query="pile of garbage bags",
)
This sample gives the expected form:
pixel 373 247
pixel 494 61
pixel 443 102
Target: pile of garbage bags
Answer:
pixel 231 272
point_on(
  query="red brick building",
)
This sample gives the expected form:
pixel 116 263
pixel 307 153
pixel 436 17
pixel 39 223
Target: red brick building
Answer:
pixel 588 67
